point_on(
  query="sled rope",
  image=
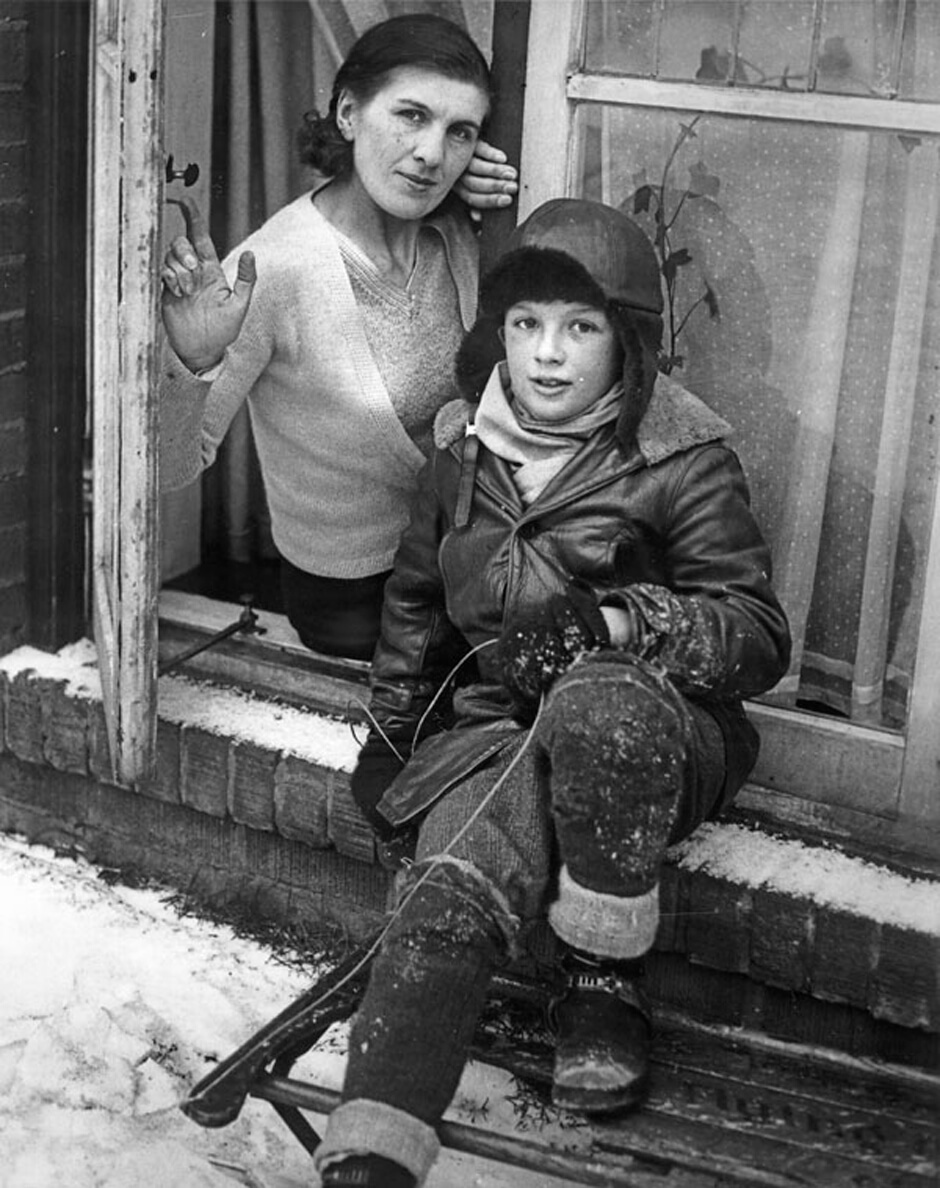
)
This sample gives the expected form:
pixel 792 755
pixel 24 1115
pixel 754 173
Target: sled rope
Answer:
pixel 438 858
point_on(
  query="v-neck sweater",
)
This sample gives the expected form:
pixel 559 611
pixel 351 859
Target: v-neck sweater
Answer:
pixel 414 330
pixel 339 466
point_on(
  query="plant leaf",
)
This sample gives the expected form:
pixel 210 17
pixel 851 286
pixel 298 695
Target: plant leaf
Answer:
pixel 702 183
pixel 711 300
pixel 642 198
pixel 674 261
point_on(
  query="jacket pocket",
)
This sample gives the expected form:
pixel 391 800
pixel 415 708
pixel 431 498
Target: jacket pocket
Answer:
pixel 441 763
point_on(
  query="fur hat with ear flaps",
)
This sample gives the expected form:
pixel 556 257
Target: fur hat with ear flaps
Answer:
pixel 570 249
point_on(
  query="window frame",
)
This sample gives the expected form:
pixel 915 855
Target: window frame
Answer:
pixel 125 189
pixel 807 756
pixel 812 768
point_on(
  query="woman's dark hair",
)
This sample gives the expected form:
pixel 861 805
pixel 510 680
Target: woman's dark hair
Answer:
pixel 418 39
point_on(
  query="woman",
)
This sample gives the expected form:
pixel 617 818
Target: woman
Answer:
pixel 338 321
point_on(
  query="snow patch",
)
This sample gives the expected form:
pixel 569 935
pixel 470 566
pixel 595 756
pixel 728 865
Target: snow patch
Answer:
pixel 112 1007
pixel 827 877
pixel 229 712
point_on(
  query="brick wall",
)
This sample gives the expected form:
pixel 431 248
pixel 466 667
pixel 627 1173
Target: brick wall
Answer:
pixel 238 819
pixel 13 377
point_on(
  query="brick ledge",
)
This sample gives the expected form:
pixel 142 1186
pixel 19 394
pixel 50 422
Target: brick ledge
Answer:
pixel 788 915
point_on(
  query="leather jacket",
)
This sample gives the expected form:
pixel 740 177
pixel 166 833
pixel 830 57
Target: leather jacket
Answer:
pixel 662 524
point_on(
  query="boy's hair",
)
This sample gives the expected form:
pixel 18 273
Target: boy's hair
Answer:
pixel 584 252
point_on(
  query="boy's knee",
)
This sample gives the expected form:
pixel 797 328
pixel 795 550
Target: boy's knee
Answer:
pixel 448 903
pixel 611 697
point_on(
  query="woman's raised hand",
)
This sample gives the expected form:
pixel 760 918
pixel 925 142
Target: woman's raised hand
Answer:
pixel 202 313
pixel 488 182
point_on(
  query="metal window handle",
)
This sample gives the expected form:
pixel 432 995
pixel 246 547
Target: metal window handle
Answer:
pixel 247 623
pixel 188 176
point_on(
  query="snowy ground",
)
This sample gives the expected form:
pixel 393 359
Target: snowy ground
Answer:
pixel 112 1005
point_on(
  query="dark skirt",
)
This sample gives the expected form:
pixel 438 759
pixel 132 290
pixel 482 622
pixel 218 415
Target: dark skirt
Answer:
pixel 335 616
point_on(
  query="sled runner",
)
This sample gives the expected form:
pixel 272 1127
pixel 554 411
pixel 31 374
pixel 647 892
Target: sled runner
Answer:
pixel 726 1107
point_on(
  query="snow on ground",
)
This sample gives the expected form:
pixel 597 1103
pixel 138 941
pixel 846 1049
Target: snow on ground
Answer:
pixel 112 1006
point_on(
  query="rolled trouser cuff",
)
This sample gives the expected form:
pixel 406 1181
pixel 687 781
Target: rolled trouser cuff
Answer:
pixel 366 1127
pixel 615 926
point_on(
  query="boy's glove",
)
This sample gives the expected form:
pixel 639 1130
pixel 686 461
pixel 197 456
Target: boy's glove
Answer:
pixel 375 769
pixel 537 648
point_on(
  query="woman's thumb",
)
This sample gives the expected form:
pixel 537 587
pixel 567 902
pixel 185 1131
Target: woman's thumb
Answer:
pixel 245 276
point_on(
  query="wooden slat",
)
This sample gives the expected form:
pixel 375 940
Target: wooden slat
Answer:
pixel 545 165
pixel 874 115
pixel 821 758
pixel 127 176
pixel 104 289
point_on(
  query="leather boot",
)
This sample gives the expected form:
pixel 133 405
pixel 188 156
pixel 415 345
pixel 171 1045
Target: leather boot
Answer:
pixel 603 1038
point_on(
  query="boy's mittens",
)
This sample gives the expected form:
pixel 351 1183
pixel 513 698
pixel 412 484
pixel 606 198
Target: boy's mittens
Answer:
pixel 375 769
pixel 537 648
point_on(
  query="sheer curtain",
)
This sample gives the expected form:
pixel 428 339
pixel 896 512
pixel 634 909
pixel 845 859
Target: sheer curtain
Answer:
pixel 267 70
pixel 806 308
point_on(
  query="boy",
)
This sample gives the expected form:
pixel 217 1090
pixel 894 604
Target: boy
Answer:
pixel 584 531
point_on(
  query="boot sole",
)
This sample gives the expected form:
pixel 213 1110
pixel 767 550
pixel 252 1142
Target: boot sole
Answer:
pixel 583 1100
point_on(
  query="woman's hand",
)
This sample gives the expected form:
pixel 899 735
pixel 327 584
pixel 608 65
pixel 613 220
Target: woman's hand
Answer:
pixel 487 183
pixel 201 312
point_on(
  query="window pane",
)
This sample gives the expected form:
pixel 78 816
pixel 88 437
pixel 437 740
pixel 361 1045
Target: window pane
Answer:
pixel 920 61
pixel 804 310
pixel 862 47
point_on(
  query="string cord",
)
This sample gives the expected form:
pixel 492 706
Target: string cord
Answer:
pixel 435 862
pixel 376 725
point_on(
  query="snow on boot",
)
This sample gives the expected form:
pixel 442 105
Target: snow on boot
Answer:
pixel 366 1171
pixel 603 1039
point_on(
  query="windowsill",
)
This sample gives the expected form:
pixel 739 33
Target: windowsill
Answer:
pixel 271 661
pixel 821 778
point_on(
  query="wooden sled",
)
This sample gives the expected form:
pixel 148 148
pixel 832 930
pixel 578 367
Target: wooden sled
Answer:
pixel 726 1108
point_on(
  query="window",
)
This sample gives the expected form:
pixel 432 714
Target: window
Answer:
pixel 784 157
pixel 222 87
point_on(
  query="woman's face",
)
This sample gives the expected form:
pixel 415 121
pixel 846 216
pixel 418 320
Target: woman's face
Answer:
pixel 562 357
pixel 413 139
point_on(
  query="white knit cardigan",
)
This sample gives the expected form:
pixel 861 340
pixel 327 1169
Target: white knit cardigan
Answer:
pixel 339 468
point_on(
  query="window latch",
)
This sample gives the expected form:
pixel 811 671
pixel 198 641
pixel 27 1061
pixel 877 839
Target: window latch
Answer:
pixel 188 176
pixel 245 624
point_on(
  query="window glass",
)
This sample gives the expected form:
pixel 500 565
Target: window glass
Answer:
pixel 861 47
pixel 802 273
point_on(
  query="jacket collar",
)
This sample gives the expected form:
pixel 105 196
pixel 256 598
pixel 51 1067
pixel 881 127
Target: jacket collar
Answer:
pixel 675 420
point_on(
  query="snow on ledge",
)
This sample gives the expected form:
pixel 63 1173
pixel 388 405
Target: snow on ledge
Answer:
pixel 743 856
pixel 825 876
pixel 220 710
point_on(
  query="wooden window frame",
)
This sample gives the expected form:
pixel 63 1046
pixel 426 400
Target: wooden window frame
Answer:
pixel 843 767
pixel 126 51
pixel 876 784
pixel 126 194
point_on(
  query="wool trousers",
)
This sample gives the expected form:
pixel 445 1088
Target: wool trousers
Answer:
pixel 574 816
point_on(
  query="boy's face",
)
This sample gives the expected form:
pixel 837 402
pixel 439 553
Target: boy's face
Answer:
pixel 562 357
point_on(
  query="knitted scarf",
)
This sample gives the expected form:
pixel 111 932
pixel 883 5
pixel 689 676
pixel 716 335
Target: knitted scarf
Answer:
pixel 538 449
